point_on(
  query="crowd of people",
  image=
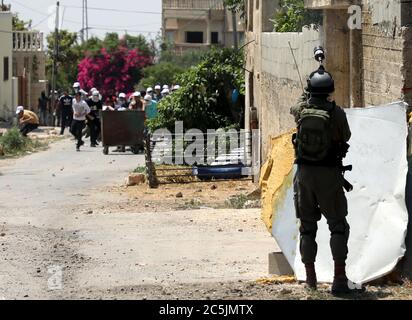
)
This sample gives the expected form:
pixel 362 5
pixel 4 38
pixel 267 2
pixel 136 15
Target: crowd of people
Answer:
pixel 82 110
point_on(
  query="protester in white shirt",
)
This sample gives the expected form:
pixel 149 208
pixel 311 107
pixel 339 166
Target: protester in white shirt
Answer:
pixel 80 110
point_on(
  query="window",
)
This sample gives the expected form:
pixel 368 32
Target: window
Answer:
pixel 170 36
pixel 194 37
pixel 6 69
pixel 215 37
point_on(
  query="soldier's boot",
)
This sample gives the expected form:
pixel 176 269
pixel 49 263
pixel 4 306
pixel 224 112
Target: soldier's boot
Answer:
pixel 311 280
pixel 341 284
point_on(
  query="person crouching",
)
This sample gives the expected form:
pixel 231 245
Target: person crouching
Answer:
pixel 80 111
pixel 29 121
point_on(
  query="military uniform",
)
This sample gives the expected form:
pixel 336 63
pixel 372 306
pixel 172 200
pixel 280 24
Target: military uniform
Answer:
pixel 318 188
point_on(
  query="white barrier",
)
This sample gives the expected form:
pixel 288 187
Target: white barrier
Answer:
pixel 377 212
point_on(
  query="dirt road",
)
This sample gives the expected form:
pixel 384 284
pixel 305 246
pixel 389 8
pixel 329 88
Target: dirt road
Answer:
pixel 64 233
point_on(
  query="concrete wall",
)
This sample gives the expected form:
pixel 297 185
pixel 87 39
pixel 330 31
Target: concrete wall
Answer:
pixel 279 85
pixel 6 98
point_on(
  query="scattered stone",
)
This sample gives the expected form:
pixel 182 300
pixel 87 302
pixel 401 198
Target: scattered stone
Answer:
pixel 135 179
pixel 179 195
pixel 2 234
pixel 199 190
pixel 285 291
pixel 213 187
pixel 252 204
pixel 240 230
pixel 220 230
pixel 89 212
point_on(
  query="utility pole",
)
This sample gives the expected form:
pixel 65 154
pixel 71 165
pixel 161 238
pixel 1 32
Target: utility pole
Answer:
pixel 82 31
pixel 55 58
pixel 87 20
pixel 234 25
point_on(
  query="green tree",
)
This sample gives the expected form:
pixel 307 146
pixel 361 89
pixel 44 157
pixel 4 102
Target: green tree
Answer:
pixel 70 54
pixel 236 6
pixel 204 100
pixel 293 16
pixel 161 73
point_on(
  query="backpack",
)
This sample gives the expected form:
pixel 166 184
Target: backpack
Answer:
pixel 314 135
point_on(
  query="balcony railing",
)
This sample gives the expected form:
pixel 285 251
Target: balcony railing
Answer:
pixel 27 41
pixel 193 4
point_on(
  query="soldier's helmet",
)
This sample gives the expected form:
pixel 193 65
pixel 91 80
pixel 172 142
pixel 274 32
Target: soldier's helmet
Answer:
pixel 321 82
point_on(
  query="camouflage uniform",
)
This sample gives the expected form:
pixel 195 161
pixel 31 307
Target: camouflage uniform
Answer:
pixel 318 189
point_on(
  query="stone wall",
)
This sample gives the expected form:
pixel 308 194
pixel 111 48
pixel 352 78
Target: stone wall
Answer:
pixel 382 44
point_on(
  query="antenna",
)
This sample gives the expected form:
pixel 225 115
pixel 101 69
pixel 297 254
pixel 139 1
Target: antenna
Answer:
pixel 297 67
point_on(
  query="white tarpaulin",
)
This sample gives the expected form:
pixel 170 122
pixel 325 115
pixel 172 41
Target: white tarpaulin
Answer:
pixel 377 212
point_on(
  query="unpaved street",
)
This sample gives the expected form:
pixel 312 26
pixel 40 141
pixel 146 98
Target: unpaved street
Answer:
pixel 60 219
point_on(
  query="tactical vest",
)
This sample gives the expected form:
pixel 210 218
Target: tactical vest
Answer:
pixel 313 142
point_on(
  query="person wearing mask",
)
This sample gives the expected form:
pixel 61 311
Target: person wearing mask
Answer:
pixel 158 93
pixel 93 118
pixel 121 102
pixel 150 91
pixel 136 103
pixel 28 120
pixel 165 93
pixel 43 106
pixel 80 111
pixel 150 107
pixel 66 103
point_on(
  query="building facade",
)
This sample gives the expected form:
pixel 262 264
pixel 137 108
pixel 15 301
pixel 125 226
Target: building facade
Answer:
pixel 197 24
pixel 29 67
pixel 6 81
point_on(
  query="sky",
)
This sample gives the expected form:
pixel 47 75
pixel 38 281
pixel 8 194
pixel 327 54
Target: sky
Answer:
pixel 121 16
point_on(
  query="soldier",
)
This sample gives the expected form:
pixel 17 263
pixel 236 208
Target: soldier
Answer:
pixel 320 145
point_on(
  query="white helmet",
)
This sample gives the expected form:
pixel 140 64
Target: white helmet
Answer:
pixel 158 87
pixel 148 97
pixel 95 93
pixel 176 87
pixel 165 91
pixel 76 85
pixel 166 87
pixel 122 95
pixel 136 94
pixel 149 90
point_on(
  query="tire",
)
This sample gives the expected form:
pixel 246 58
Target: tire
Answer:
pixel 106 151
pixel 135 149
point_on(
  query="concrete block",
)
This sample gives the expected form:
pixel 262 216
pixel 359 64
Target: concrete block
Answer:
pixel 279 265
